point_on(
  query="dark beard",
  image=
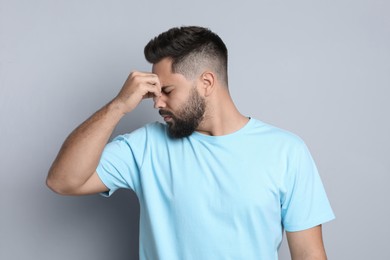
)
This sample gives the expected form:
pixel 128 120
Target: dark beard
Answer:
pixel 188 118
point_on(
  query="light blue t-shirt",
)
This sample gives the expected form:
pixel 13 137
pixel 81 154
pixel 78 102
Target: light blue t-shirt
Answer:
pixel 216 197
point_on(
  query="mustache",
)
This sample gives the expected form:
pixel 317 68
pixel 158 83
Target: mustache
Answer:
pixel 163 112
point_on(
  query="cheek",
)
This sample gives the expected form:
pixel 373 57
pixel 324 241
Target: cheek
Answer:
pixel 175 101
pixel 178 99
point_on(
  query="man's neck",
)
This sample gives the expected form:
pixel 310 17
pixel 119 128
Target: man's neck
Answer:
pixel 222 117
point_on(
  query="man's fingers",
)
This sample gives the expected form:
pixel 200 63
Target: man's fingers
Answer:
pixel 138 86
pixel 153 91
pixel 148 77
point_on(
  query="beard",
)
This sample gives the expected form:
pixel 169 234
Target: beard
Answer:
pixel 188 118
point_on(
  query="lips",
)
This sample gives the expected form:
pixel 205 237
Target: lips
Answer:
pixel 167 118
pixel 166 115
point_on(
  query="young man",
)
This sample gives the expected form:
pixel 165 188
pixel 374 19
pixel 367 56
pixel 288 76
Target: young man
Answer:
pixel 212 183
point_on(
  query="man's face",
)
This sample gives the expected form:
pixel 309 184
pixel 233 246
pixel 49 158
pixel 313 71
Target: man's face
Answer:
pixel 181 105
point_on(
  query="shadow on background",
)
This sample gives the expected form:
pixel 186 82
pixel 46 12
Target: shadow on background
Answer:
pixel 108 225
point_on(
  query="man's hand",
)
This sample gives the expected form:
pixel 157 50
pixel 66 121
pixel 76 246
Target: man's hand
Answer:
pixel 138 86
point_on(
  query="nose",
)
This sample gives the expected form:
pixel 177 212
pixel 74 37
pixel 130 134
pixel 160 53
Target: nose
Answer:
pixel 159 102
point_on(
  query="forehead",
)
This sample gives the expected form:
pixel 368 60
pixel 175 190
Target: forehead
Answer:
pixel 163 69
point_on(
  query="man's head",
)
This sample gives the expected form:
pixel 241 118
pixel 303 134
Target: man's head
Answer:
pixel 191 49
pixel 184 58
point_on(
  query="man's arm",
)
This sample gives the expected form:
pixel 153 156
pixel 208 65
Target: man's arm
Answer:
pixel 306 244
pixel 73 172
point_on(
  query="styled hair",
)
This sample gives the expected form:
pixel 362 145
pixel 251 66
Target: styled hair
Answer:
pixel 191 49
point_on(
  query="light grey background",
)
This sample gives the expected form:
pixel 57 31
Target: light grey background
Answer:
pixel 317 68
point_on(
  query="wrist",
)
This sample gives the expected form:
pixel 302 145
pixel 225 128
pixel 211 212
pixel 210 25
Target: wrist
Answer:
pixel 117 108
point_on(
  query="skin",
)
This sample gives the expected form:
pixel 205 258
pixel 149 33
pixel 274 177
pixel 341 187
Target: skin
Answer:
pixel 73 172
pixel 307 244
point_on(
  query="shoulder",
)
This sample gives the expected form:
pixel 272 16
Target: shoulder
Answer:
pixel 139 140
pixel 275 134
pixel 154 129
pixel 150 134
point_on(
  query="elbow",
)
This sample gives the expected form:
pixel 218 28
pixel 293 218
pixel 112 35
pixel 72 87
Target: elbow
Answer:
pixel 53 185
pixel 57 186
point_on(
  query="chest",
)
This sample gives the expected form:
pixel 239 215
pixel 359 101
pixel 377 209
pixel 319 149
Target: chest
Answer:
pixel 215 178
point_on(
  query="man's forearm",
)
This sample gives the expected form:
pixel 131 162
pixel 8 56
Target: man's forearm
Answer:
pixel 307 244
pixel 317 256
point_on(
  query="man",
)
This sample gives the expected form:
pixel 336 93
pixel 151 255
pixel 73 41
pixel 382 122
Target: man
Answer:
pixel 212 183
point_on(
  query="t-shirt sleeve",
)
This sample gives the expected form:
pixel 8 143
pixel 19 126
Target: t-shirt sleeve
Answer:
pixel 120 163
pixel 305 204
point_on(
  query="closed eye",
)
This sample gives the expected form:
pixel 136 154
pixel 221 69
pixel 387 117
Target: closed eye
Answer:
pixel 167 90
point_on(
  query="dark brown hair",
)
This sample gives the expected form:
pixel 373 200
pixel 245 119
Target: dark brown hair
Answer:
pixel 191 49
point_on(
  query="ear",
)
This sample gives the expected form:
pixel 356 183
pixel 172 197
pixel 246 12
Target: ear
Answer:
pixel 207 79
